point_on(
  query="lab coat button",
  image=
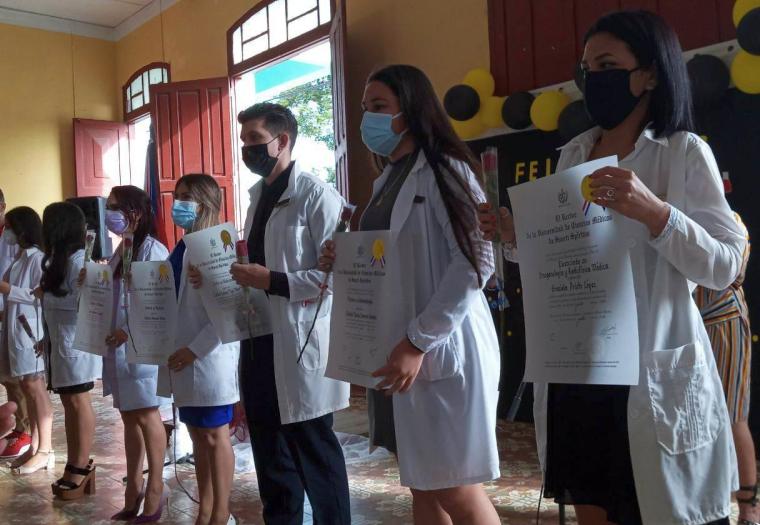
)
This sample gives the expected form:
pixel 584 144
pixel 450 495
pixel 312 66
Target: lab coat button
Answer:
pixel 631 242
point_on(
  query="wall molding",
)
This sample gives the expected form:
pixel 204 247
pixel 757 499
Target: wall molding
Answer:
pixel 64 25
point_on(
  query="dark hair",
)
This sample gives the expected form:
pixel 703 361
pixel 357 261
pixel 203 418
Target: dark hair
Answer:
pixel 27 226
pixel 135 202
pixel 655 44
pixel 63 233
pixel 428 124
pixel 207 194
pixel 277 119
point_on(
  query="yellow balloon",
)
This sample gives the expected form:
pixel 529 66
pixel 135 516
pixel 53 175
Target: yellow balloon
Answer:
pixel 469 129
pixel 742 7
pixel 482 80
pixel 490 110
pixel 545 110
pixel 745 72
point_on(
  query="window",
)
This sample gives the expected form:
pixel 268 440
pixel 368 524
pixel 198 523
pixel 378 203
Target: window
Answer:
pixel 275 28
pixel 137 89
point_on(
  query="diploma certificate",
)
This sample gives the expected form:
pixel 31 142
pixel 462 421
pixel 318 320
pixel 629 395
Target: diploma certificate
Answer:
pixel 236 313
pixel 366 287
pixel 152 313
pixel 95 313
pixel 580 307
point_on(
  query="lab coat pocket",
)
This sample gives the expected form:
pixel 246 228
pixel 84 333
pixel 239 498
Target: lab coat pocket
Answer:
pixel 442 362
pixel 685 403
pixel 298 249
pixel 314 357
pixel 66 333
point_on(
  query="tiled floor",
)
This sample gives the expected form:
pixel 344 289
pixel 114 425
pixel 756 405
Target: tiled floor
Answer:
pixel 376 497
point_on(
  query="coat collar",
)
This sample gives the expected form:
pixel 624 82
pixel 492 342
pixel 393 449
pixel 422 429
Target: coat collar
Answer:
pixel 586 140
pixel 255 191
pixel 405 199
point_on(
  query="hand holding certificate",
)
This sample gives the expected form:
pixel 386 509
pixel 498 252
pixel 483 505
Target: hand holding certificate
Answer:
pixel 580 307
pixel 151 313
pixel 95 312
pixel 235 314
pixel 366 288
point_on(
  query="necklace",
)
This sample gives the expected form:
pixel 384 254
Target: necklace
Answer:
pixel 390 185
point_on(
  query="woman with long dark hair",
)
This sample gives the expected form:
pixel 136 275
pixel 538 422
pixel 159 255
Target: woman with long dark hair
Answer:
pixel 660 451
pixel 133 386
pixel 436 404
pixel 19 360
pixel 72 373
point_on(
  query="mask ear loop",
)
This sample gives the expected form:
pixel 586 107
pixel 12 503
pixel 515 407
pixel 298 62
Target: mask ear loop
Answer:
pixel 394 117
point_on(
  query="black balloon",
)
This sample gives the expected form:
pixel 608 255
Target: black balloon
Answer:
pixel 574 120
pixel 516 110
pixel 748 32
pixel 461 102
pixel 709 77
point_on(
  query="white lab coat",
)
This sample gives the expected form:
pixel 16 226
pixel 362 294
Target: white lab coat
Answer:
pixel 133 385
pixel 304 218
pixel 446 423
pixel 682 451
pixel 68 366
pixel 212 379
pixel 18 356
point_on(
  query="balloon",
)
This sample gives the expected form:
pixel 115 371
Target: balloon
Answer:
pixel 516 110
pixel 748 32
pixel 468 129
pixel 545 111
pixel 574 120
pixel 745 72
pixel 709 79
pixel 742 7
pixel 491 112
pixel 461 102
pixel 482 81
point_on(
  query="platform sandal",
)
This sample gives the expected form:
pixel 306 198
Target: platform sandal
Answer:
pixel 67 490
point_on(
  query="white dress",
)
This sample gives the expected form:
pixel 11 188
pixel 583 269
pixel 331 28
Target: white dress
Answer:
pixel 68 366
pixel 133 386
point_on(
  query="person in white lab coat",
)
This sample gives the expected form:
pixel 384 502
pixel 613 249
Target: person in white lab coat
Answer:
pixel 662 450
pixel 436 403
pixel 133 386
pixel 71 373
pixel 18 356
pixel 289 404
pixel 202 373
pixel 20 438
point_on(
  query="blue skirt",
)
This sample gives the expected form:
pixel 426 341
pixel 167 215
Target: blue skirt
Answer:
pixel 206 417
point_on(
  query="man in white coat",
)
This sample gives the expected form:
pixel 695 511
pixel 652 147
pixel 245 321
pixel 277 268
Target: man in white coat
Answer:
pixel 20 439
pixel 289 403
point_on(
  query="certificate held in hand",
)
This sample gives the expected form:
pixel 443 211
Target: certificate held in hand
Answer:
pixel 364 327
pixel 152 313
pixel 235 313
pixel 95 313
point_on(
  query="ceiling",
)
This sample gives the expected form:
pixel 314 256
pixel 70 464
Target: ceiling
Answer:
pixel 105 13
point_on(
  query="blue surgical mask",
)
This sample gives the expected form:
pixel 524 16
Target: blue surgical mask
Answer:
pixel 184 213
pixel 116 222
pixel 378 135
pixel 10 237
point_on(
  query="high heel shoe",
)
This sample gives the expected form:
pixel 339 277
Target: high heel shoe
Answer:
pixel 48 465
pixel 130 514
pixel 143 518
pixel 68 490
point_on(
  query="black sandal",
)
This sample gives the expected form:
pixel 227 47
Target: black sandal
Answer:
pixel 68 490
pixel 752 500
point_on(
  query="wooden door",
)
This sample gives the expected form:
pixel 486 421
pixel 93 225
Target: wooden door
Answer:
pixel 337 50
pixel 101 156
pixel 193 135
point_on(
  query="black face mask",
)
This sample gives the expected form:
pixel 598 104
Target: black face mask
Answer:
pixel 257 159
pixel 608 96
